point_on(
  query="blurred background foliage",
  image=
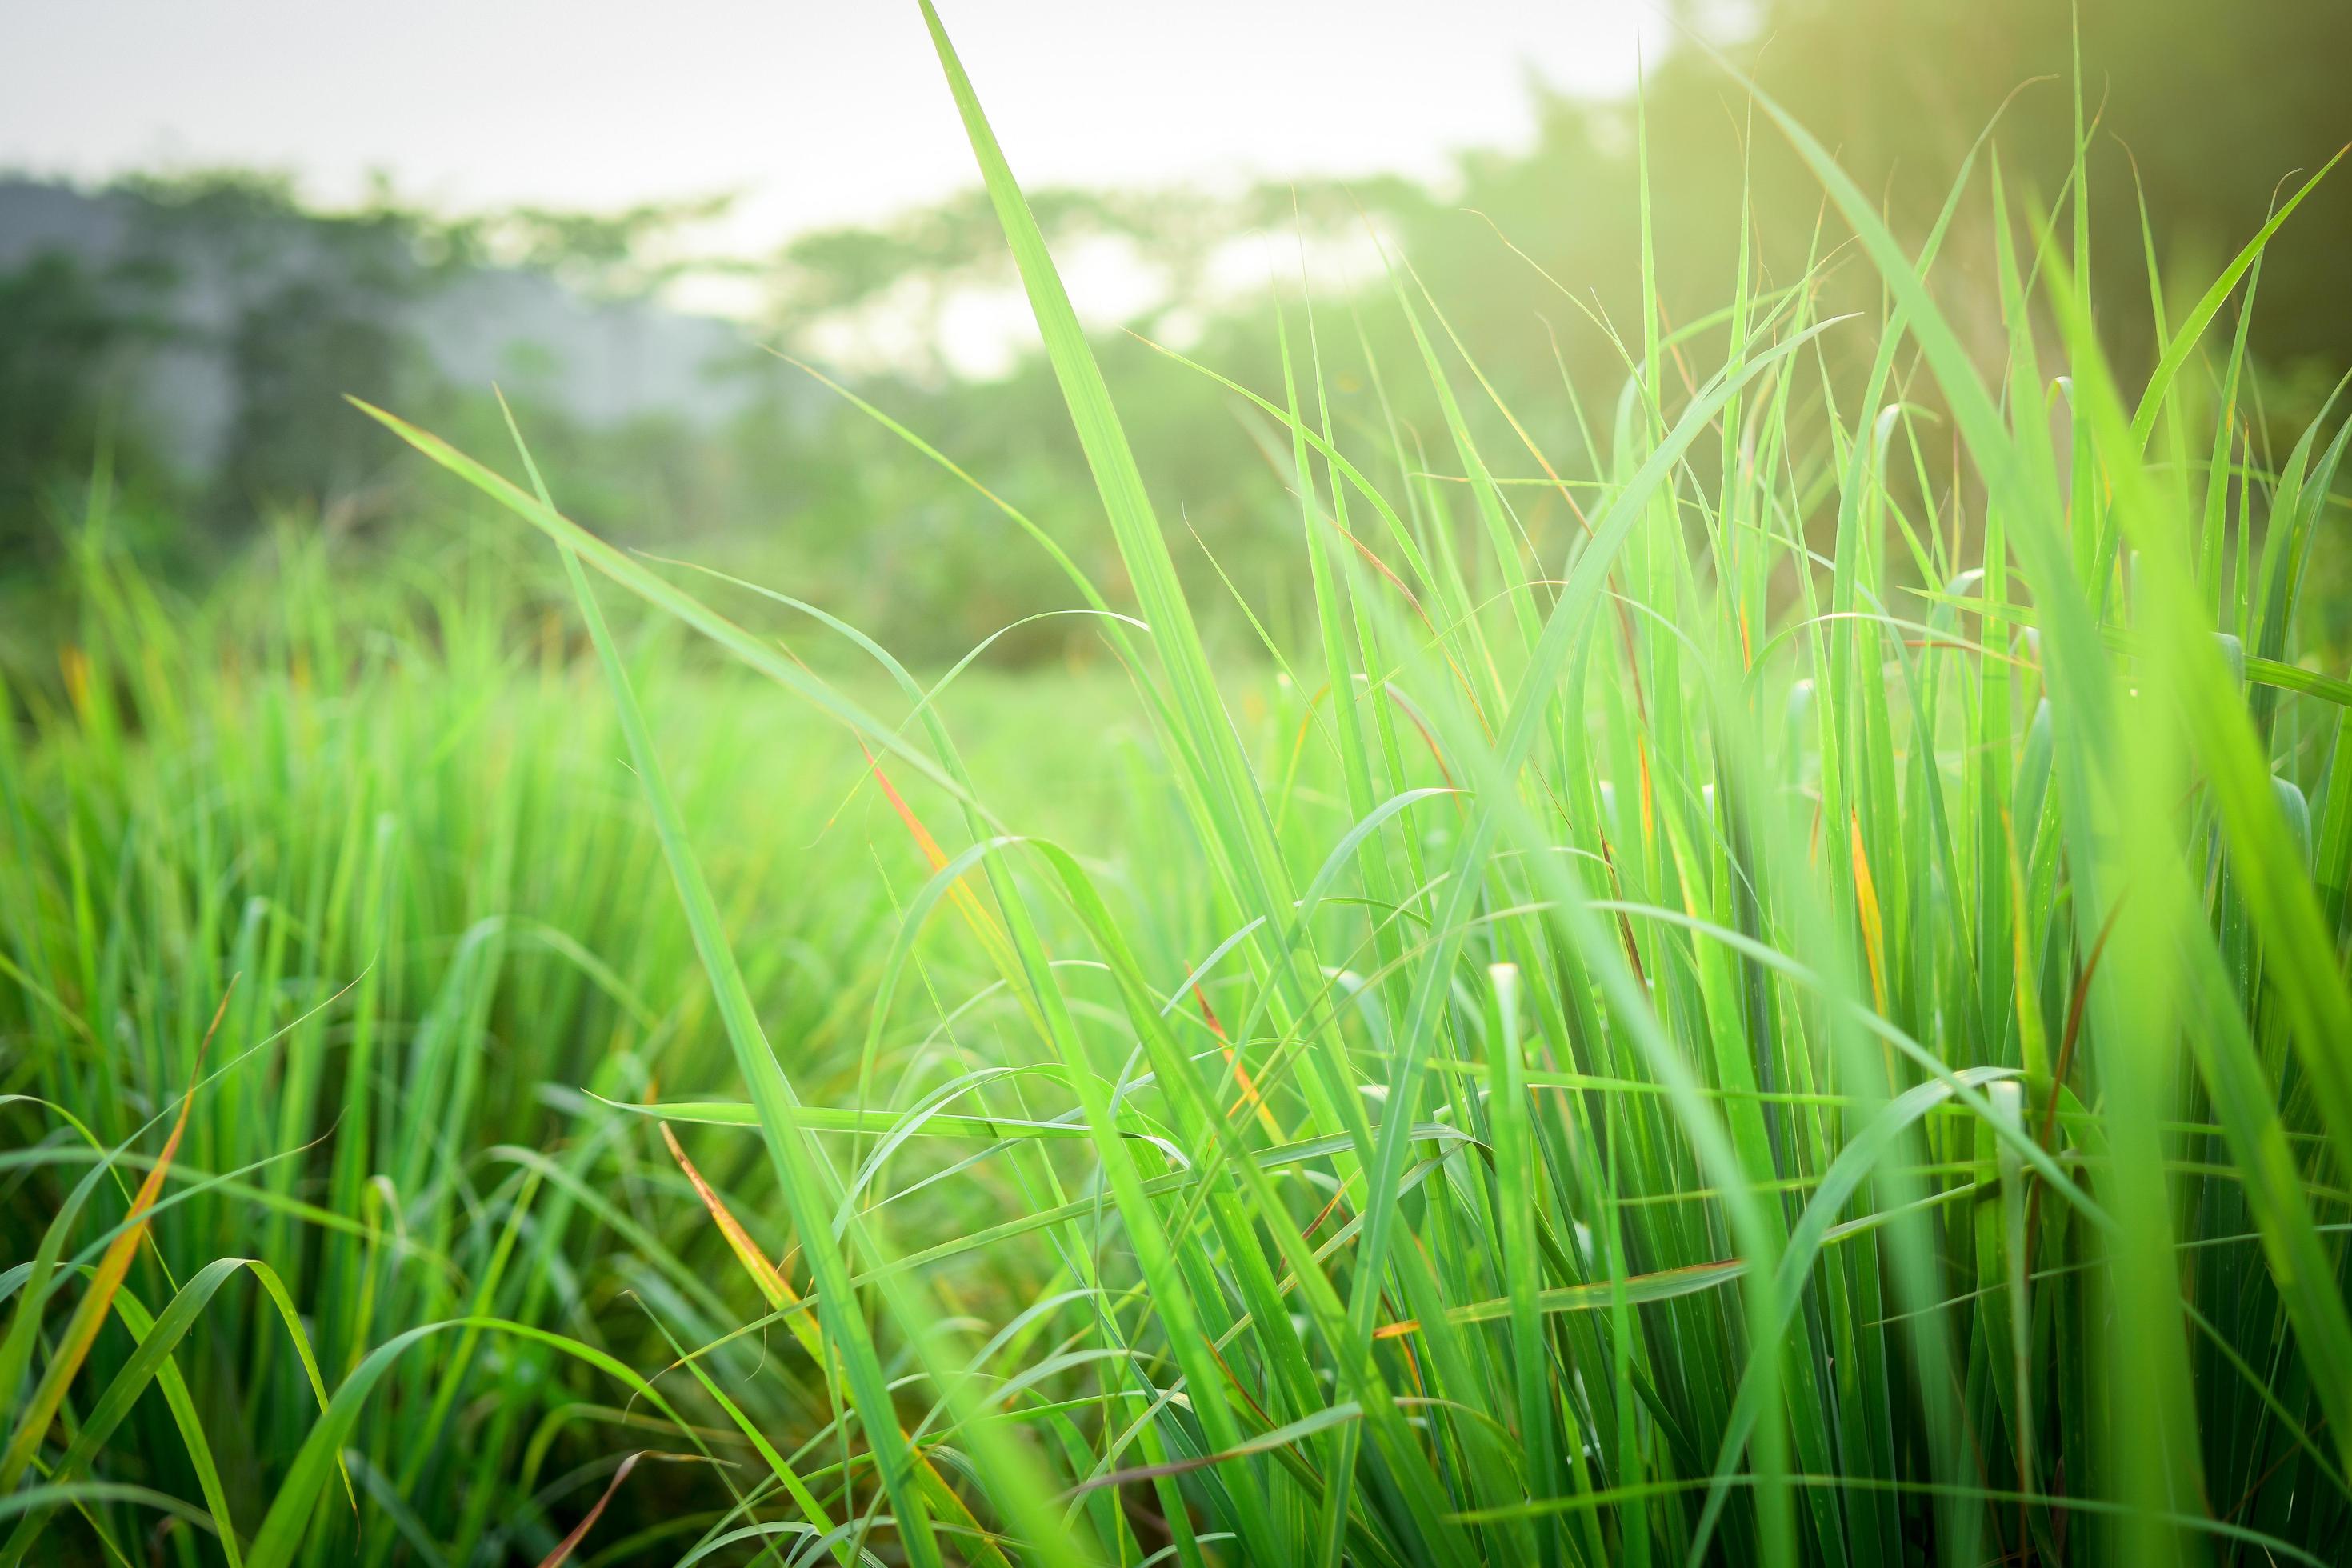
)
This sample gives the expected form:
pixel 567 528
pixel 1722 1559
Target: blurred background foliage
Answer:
pixel 1533 256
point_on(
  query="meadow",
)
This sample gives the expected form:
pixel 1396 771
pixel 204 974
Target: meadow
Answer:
pixel 1796 1014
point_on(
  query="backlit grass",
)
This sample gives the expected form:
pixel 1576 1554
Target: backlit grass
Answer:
pixel 1804 1021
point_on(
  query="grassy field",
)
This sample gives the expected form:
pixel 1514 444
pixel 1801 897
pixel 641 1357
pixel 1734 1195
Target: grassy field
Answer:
pixel 1803 1021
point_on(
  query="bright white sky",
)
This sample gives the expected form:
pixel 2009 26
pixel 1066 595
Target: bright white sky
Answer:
pixel 817 112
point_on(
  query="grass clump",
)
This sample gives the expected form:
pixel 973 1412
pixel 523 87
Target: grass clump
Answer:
pixel 1807 1023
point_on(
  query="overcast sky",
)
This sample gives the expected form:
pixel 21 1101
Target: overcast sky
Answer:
pixel 816 112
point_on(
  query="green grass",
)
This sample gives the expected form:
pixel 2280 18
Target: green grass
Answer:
pixel 1803 1018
